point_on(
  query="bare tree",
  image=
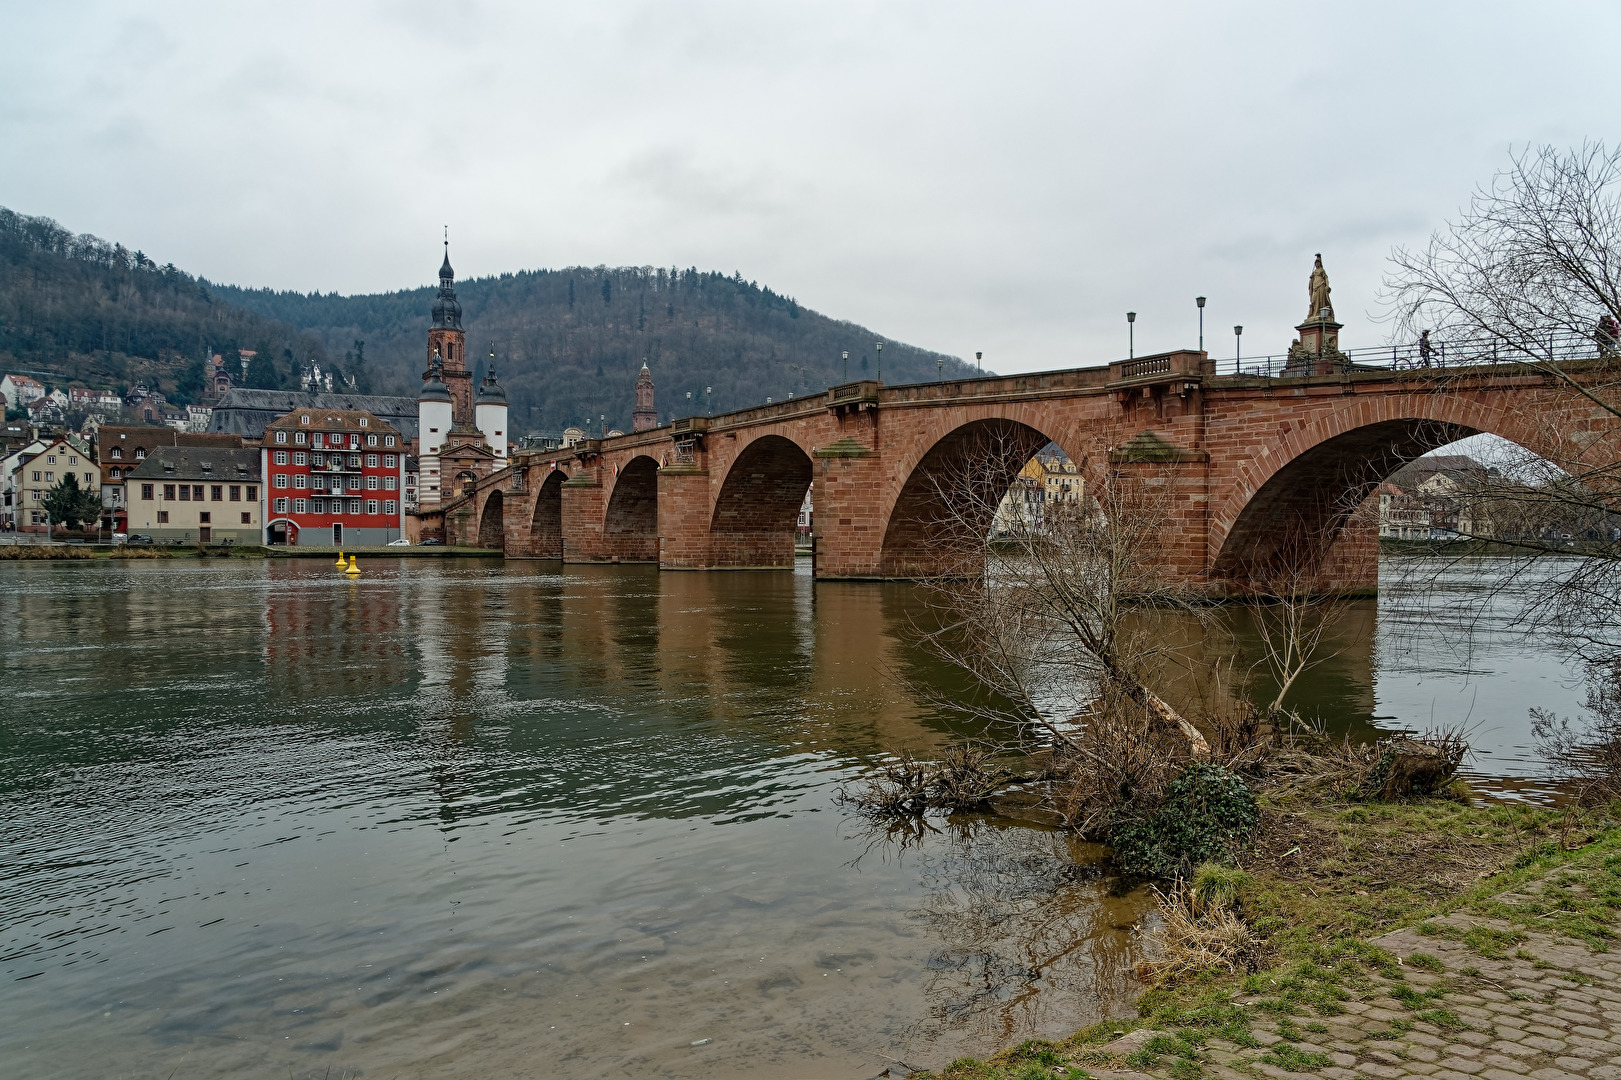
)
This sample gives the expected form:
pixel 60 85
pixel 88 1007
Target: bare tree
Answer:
pixel 1530 276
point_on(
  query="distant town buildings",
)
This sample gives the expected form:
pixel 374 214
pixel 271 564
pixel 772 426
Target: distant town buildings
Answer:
pixel 1434 498
pixel 31 473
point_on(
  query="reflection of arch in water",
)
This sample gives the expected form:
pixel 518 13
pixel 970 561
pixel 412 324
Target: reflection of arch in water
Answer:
pixel 630 524
pixel 943 512
pixel 758 506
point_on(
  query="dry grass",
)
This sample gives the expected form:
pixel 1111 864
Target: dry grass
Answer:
pixel 1197 937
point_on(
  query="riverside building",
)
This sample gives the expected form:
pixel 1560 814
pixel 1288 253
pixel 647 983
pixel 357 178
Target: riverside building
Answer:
pixel 194 495
pixel 333 478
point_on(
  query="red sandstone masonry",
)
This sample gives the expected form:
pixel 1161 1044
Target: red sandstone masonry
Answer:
pixel 1248 448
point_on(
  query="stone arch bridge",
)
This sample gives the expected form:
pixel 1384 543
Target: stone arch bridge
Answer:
pixel 1236 455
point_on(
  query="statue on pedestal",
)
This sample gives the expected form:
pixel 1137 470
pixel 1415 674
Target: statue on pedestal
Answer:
pixel 1321 306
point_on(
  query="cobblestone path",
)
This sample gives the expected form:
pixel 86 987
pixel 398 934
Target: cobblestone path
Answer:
pixel 1482 1000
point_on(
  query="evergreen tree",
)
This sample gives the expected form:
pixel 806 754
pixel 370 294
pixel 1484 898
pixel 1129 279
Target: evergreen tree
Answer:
pixel 68 504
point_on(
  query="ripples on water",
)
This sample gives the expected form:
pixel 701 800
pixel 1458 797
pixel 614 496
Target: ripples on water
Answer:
pixel 492 817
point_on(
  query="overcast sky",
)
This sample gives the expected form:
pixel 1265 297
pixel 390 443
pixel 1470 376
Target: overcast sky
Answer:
pixel 998 176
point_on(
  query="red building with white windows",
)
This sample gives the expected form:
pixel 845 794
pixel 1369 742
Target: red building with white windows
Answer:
pixel 333 478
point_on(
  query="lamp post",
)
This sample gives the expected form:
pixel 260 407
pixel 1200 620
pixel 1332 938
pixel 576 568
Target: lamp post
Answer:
pixel 846 365
pixel 880 361
pixel 940 370
pixel 1238 350
pixel 1131 335
pixel 708 410
pixel 1200 301
pixel 979 367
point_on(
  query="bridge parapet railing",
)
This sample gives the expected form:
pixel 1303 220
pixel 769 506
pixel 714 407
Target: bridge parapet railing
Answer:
pixel 1158 366
pixel 1555 347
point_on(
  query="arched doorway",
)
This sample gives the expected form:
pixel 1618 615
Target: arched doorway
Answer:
pixel 630 527
pixel 492 523
pixel 758 506
pixel 546 527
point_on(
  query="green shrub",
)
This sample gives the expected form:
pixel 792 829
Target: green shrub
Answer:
pixel 1207 812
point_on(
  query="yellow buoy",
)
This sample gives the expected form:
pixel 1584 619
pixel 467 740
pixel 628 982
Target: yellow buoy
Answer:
pixel 353 571
pixel 340 558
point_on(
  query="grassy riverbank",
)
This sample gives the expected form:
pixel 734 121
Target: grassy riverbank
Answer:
pixel 1318 886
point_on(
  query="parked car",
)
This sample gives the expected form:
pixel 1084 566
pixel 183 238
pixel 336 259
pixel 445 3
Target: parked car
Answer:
pixel 432 541
pixel 138 538
pixel 119 538
pixel 401 542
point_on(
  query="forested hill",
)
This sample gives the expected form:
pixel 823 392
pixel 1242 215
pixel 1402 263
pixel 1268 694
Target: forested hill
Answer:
pixel 569 343
pixel 80 309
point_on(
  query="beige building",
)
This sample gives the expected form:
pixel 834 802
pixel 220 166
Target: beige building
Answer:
pixel 195 495
pixel 36 476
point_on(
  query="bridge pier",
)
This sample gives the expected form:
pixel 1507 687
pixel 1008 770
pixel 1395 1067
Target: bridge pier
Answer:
pixel 684 518
pixel 848 519
pixel 583 500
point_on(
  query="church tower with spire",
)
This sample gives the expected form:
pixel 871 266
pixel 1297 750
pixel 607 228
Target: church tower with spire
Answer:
pixel 492 413
pixel 448 341
pixel 644 416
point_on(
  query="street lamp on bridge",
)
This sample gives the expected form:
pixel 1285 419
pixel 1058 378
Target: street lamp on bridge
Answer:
pixel 1131 335
pixel 1238 350
pixel 1200 301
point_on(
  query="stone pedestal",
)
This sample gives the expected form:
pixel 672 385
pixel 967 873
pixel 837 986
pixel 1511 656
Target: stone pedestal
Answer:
pixel 1317 350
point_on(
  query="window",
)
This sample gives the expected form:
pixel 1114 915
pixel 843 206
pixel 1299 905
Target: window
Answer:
pixel 116 473
pixel 88 479
pixel 163 517
pixel 73 459
pixel 50 459
pixel 281 436
pixel 354 506
pixel 36 476
pixel 168 492
pixel 205 518
pixel 371 440
pixel 280 480
pixel 317 506
pixel 140 453
pixel 390 506
pixel 354 483
pixel 236 492
pixel 197 492
pixel 390 483
pixel 365 422
pixel 299 437
pixel 388 440
pixel 372 483
pixel 185 493
pixel 300 506
pixel 354 442
pixel 281 457
pixel 281 506
pixel 315 440
pixel 146 492
pixel 388 461
pixel 50 477
pixel 253 493
pixel 317 458
pixel 354 461
pixel 247 518
pixel 300 480
pixel 304 418
pixel 371 461
pixel 216 493
pixel 319 483
pixel 301 458
pixel 118 452
pixel 371 506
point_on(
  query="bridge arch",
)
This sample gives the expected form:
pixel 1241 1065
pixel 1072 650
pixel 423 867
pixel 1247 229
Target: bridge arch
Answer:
pixel 944 510
pixel 630 523
pixel 546 523
pixel 757 508
pixel 1305 490
pixel 492 521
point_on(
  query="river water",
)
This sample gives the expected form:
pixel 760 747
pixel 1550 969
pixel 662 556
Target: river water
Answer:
pixel 466 817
